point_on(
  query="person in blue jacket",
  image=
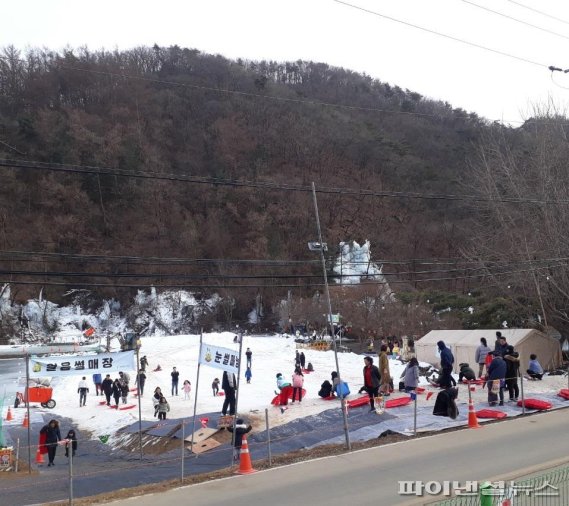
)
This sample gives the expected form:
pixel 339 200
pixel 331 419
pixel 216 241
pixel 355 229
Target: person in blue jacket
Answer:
pixel 496 379
pixel 98 381
pixel 447 362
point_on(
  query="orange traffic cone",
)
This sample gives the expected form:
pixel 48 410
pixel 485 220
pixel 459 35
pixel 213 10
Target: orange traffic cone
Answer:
pixel 26 422
pixel 9 416
pixel 245 466
pixel 39 457
pixel 472 419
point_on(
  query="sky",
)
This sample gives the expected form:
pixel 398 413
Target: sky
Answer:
pixel 493 85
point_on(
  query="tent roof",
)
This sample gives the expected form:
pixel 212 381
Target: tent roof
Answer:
pixel 472 337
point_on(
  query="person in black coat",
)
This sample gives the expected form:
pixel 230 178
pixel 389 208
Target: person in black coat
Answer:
pixel 302 360
pixel 117 391
pixel 140 381
pixel 372 380
pixel 241 428
pixel 466 372
pixel 107 386
pixel 496 376
pixel 52 438
pixel 512 372
pixel 229 386
pixel 445 405
pixel 71 442
pixel 325 389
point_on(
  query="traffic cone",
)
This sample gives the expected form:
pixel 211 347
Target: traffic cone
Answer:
pixel 9 416
pixel 245 466
pixel 26 422
pixel 39 457
pixel 472 419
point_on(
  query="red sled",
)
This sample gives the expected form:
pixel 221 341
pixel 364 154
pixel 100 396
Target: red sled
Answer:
pixel 329 398
pixel 535 404
pixel 360 401
pixel 287 391
pixel 128 407
pixel 102 403
pixel 395 403
pixel 306 371
pixel 490 413
pixel 420 390
pixel 564 392
pixel 479 381
pixel 220 394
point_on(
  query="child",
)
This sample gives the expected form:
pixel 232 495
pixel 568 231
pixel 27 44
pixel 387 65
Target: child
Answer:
pixel 248 375
pixel 535 371
pixel 284 389
pixel 163 408
pixel 240 430
pixel 297 383
pixel 71 441
pixel 215 386
pixel 187 388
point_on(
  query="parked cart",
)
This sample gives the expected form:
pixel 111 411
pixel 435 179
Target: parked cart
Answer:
pixel 36 394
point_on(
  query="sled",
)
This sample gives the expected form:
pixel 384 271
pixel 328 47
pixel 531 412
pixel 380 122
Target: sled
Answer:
pixel 102 403
pixel 329 398
pixel 220 394
pixel 535 404
pixel 564 392
pixel 395 403
pixel 360 401
pixel 130 406
pixel 490 413
pixel 306 371
pixel 420 390
pixel 478 381
pixel 277 399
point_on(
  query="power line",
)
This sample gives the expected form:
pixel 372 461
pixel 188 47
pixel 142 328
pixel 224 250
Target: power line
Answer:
pixel 439 34
pixel 24 164
pixel 515 19
pixel 539 12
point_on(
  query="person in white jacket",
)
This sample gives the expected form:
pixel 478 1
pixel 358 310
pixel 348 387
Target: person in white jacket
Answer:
pixel 82 390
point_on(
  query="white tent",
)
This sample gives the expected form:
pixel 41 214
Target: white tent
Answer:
pixel 463 344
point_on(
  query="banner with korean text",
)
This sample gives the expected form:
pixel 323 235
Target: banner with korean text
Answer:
pixel 221 358
pixel 66 365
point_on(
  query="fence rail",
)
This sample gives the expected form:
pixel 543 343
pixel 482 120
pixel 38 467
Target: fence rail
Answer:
pixel 546 489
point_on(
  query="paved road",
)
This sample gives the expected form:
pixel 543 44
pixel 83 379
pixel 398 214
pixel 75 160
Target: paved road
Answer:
pixel 371 476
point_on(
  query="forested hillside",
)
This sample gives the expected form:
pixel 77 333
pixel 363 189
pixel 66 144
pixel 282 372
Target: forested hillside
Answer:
pixel 170 153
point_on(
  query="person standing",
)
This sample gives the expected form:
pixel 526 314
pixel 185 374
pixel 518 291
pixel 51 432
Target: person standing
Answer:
pixel 107 386
pixel 297 359
pixel 97 381
pixel 372 381
pixel 124 390
pixel 297 384
pixel 82 390
pixel 501 345
pixel 71 443
pixel 248 375
pixel 163 408
pixel 496 376
pixel 125 377
pixel 52 437
pixel 512 371
pixel 384 371
pixel 241 428
pixel 175 377
pixel 187 388
pixel 229 385
pixel 302 360
pixel 117 391
pixel 140 382
pixel 411 375
pixel 215 386
pixel 249 355
pixel 143 363
pixel 447 362
pixel 481 354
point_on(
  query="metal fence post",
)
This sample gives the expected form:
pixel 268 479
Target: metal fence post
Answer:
pixel 268 436
pixel 70 454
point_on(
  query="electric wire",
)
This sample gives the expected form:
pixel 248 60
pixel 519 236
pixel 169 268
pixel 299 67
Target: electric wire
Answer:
pixel 515 19
pixel 94 170
pixel 538 11
pixel 439 34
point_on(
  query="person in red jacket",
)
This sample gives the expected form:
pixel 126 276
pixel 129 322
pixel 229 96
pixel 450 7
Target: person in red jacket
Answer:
pixel 372 381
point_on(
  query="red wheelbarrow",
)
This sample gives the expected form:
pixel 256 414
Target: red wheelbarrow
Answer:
pixel 36 394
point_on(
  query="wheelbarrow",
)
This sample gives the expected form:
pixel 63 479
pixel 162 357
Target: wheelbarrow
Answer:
pixel 36 394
